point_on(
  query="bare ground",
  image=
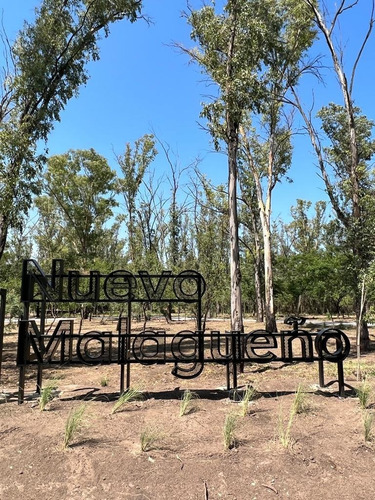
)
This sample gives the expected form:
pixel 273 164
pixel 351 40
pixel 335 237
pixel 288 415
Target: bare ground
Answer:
pixel 326 457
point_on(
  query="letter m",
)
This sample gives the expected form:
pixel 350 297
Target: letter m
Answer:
pixel 35 348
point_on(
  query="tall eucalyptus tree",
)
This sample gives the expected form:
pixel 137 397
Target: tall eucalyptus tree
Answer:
pixel 343 124
pixel 251 51
pixel 231 48
pixel 44 69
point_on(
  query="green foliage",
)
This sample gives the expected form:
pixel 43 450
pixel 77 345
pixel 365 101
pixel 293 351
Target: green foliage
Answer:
pixel 150 438
pixel 46 395
pixel 364 392
pixel 49 59
pixel 131 394
pixel 187 404
pixel 134 164
pixel 368 420
pixel 284 429
pixel 350 186
pixel 74 424
pixel 299 405
pixel 229 431
pixel 312 269
pixel 301 402
pixel 79 199
pixel 211 240
pixel 247 397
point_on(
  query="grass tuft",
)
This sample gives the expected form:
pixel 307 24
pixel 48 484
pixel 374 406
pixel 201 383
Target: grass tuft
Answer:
pixel 284 429
pixel 301 402
pixel 150 437
pixel 104 381
pixel 364 393
pixel 368 419
pixel 187 404
pixel 247 397
pixel 229 431
pixel 46 395
pixel 132 394
pixel 74 424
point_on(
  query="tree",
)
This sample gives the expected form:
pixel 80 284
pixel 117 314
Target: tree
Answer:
pixel 311 263
pixel 134 164
pixel 252 52
pixel 80 189
pixel 211 244
pixel 232 47
pixel 350 135
pixel 45 68
pixel 251 239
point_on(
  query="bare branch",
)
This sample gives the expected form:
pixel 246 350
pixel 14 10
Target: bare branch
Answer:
pixel 367 36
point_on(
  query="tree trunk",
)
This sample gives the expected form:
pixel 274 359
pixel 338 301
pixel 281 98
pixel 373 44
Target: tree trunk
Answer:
pixel 3 234
pixel 235 274
pixel 346 86
pixel 257 268
pixel 364 336
pixel 270 320
pixel 258 293
pixel 232 133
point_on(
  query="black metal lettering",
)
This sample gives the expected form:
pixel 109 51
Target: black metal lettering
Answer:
pixel 332 338
pixel 95 348
pixel 189 285
pixel 217 341
pixel 149 347
pixel 120 286
pixel 154 293
pixel 32 274
pixel 306 343
pixel 187 350
pixel 75 281
pixel 44 353
pixel 260 340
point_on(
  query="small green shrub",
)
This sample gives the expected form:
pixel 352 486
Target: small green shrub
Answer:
pixel 301 401
pixel 187 404
pixel 368 419
pixel 284 429
pixel 247 397
pixel 364 393
pixel 132 394
pixel 74 424
pixel 46 395
pixel 229 431
pixel 150 437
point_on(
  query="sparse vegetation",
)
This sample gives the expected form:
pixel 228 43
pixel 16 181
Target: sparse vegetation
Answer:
pixel 46 395
pixel 104 381
pixel 247 397
pixel 368 419
pixel 74 424
pixel 229 431
pixel 150 438
pixel 131 394
pixel 188 402
pixel 300 405
pixel 284 429
pixel 301 402
pixel 363 392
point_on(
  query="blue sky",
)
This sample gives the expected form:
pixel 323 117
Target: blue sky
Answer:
pixel 142 84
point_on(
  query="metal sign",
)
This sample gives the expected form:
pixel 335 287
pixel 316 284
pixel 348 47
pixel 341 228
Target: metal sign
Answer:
pixel 187 350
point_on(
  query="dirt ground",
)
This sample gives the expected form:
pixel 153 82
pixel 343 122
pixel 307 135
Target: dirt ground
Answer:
pixel 326 455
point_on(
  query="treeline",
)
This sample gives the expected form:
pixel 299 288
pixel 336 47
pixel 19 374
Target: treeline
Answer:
pixel 96 218
pixel 256 54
